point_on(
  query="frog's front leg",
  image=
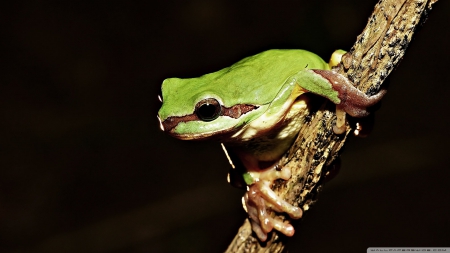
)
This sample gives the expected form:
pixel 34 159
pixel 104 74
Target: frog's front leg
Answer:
pixel 260 199
pixel 348 98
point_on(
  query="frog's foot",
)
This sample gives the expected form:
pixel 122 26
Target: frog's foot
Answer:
pixel 260 199
pixel 352 101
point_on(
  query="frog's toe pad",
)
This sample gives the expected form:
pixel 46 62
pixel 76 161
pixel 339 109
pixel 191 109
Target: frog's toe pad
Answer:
pixel 262 230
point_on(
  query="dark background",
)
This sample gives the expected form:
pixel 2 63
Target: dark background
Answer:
pixel 85 168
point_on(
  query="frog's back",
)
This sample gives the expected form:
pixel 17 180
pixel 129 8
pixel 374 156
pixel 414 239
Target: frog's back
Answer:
pixel 286 58
pixel 264 73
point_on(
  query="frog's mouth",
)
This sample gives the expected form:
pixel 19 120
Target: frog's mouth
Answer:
pixel 170 124
pixel 170 127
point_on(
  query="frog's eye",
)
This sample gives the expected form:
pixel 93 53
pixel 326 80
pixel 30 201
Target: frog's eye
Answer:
pixel 208 109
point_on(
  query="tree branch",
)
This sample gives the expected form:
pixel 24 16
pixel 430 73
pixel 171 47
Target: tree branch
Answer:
pixel 377 51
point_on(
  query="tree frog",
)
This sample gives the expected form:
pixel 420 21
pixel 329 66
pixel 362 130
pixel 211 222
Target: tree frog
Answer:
pixel 252 108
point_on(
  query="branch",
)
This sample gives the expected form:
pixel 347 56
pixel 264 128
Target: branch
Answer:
pixel 376 52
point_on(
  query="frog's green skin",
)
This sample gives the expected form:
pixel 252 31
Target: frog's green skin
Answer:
pixel 252 107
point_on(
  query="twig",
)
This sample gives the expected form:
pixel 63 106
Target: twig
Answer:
pixel 377 51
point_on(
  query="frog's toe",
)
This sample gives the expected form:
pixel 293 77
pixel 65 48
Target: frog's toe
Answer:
pixel 262 229
pixel 255 206
pixel 284 227
pixel 276 202
pixel 258 231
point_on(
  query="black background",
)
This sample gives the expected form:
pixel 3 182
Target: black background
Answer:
pixel 85 168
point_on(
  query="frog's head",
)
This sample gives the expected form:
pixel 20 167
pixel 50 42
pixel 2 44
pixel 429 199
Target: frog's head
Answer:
pixel 198 108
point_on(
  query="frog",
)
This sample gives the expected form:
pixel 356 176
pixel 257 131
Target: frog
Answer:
pixel 252 108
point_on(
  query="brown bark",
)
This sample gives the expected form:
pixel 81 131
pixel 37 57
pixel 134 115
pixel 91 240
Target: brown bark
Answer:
pixel 376 52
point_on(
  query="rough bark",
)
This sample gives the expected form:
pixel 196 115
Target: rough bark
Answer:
pixel 376 52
